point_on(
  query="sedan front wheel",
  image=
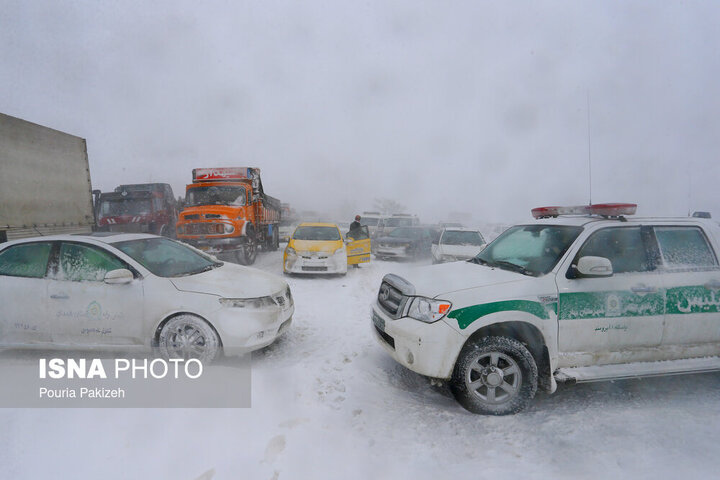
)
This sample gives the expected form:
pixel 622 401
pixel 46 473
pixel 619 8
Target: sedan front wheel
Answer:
pixel 187 336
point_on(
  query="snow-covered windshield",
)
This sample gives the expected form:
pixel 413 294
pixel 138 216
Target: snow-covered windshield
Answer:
pixel 126 206
pixel 216 195
pixel 317 233
pixel 529 249
pixel 167 258
pixel 459 237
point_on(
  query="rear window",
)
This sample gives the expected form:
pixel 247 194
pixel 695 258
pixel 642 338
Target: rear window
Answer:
pixel 684 247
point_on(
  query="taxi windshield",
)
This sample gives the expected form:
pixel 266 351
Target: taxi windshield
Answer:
pixel 529 249
pixel 305 232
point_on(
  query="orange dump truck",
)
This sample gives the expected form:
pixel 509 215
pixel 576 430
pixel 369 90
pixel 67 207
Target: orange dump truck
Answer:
pixel 226 210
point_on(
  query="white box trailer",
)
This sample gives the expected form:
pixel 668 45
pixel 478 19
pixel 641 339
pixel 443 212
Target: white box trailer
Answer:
pixel 44 181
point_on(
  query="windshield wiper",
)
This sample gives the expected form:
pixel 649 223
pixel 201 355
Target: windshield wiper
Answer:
pixel 511 266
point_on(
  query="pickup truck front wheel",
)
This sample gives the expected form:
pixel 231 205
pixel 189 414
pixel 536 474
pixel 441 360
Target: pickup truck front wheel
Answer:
pixel 495 376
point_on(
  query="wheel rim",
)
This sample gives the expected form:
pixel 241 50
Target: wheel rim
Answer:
pixel 494 377
pixel 187 341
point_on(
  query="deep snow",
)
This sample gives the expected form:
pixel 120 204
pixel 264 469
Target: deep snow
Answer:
pixel 328 402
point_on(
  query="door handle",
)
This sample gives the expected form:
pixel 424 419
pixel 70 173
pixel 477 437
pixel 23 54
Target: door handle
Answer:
pixel 60 296
pixel 712 285
pixel 643 289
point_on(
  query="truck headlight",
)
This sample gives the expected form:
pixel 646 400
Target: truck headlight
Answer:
pixel 252 303
pixel 229 228
pixel 428 310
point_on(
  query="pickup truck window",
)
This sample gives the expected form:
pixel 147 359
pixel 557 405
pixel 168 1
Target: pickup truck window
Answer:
pixel 684 247
pixel 529 249
pixel 623 246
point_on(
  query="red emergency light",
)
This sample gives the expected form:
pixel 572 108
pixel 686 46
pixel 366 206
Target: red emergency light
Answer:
pixel 222 173
pixel 602 209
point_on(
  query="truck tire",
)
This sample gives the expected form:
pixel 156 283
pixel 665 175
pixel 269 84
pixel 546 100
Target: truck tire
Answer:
pixel 247 252
pixel 494 376
pixel 275 243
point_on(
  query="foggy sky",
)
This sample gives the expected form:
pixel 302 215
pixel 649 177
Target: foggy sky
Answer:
pixel 470 106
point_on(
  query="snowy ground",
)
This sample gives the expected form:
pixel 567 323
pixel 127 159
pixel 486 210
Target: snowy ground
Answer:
pixel 328 402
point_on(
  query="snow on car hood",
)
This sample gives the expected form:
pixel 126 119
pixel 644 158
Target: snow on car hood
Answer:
pixel 435 280
pixel 231 281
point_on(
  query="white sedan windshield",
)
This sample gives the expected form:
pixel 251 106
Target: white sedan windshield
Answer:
pixel 166 258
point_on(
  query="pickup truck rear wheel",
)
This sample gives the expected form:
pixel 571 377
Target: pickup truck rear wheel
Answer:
pixel 495 376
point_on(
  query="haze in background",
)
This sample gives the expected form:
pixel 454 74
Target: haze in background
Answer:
pixel 466 106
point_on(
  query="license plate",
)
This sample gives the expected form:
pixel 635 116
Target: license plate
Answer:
pixel 204 248
pixel 379 322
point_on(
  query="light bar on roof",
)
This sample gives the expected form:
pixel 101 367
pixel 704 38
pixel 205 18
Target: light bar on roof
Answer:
pixel 602 209
pixel 225 173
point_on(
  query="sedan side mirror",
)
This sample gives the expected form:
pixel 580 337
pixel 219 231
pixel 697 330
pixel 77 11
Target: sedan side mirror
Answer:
pixel 594 267
pixel 119 276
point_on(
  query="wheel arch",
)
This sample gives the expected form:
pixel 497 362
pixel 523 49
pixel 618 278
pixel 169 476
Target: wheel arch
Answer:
pixel 526 333
pixel 164 321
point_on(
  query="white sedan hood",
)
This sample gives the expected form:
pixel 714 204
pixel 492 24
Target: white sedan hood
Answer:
pixel 232 281
pixel 435 280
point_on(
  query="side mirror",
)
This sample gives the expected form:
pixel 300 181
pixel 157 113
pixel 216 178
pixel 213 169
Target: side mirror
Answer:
pixel 118 277
pixel 594 267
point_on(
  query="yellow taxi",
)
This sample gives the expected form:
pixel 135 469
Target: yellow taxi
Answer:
pixel 320 248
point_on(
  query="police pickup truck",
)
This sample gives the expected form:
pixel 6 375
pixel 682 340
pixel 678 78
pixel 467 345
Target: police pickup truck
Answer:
pixel 583 294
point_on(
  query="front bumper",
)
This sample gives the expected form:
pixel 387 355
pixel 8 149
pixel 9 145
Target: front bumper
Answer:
pixel 392 251
pixel 244 330
pixel 316 264
pixel 214 245
pixel 430 349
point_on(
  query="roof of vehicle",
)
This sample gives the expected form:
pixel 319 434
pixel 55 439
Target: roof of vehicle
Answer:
pixel 460 229
pixel 582 220
pixel 99 237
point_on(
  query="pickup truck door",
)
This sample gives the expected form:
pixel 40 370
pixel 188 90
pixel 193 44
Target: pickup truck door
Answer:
pixel 616 313
pixel 692 279
pixel 358 248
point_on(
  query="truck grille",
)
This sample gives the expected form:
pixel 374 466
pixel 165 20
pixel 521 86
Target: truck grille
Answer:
pixel 391 299
pixel 204 229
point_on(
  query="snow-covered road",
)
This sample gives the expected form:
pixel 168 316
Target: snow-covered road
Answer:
pixel 328 402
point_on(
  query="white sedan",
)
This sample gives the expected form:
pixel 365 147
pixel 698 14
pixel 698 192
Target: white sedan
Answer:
pixel 457 244
pixel 136 292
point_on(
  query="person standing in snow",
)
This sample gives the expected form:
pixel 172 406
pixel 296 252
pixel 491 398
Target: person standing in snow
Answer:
pixel 354 227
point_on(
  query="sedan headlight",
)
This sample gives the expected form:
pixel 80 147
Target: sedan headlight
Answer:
pixel 339 251
pixel 428 310
pixel 290 252
pixel 252 303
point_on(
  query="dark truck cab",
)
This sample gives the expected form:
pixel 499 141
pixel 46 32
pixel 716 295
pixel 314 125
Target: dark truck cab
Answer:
pixel 137 208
